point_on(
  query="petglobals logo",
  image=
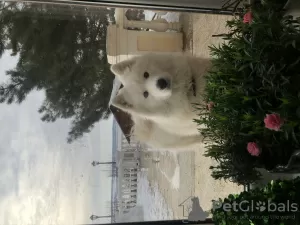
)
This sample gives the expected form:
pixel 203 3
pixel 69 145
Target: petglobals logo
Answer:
pixel 251 206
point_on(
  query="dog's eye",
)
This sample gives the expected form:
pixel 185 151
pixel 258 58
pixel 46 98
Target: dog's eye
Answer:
pixel 146 94
pixel 146 75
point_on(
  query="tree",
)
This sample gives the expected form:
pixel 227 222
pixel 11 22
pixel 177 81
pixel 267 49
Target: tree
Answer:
pixel 62 50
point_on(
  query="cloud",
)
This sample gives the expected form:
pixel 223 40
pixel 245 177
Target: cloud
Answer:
pixel 43 180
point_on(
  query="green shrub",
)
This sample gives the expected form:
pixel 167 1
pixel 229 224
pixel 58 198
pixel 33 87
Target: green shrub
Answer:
pixel 277 203
pixel 254 73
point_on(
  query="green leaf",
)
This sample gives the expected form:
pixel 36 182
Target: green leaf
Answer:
pixel 247 116
pixel 244 134
pixel 267 103
pixel 244 67
pixel 266 219
pixel 246 98
pixel 271 69
pixel 286 135
pixel 293 43
pixel 292 124
pixel 269 30
pixel 259 105
pixel 246 40
pixel 251 66
pixel 295 63
pixel 285 80
pixel 294 136
pixel 298 112
pixel 284 101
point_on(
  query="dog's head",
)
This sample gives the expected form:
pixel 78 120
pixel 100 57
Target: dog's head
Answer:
pixel 147 82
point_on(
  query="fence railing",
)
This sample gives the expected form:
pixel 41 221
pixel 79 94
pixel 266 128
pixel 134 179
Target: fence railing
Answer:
pixel 164 222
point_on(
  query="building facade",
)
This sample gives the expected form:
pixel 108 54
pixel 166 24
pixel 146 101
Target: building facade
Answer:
pixel 127 157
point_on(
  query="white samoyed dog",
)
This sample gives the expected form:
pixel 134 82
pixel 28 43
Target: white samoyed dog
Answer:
pixel 159 92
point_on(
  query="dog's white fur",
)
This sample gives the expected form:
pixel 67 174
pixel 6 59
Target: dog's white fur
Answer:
pixel 163 120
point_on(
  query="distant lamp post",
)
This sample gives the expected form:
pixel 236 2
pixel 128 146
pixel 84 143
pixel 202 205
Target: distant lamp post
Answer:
pixel 94 217
pixel 95 163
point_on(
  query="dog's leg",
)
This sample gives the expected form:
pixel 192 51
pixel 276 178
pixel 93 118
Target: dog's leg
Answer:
pixel 160 139
pixel 177 143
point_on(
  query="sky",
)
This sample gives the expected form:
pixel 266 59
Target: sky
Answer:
pixel 43 179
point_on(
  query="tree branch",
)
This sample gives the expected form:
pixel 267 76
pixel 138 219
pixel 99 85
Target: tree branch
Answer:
pixel 9 86
pixel 6 7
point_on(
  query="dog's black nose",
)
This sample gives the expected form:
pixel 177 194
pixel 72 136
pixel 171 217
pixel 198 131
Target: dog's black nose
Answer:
pixel 162 83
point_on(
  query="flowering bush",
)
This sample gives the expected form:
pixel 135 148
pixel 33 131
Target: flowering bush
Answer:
pixel 275 204
pixel 253 95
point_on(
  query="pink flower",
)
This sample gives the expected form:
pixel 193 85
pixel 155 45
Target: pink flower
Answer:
pixel 210 105
pixel 273 121
pixel 248 17
pixel 253 149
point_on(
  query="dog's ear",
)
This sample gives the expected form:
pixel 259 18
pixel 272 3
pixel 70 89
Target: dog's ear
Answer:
pixel 120 102
pixel 120 68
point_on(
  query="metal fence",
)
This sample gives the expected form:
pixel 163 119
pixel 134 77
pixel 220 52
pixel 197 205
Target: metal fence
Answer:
pixel 165 222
